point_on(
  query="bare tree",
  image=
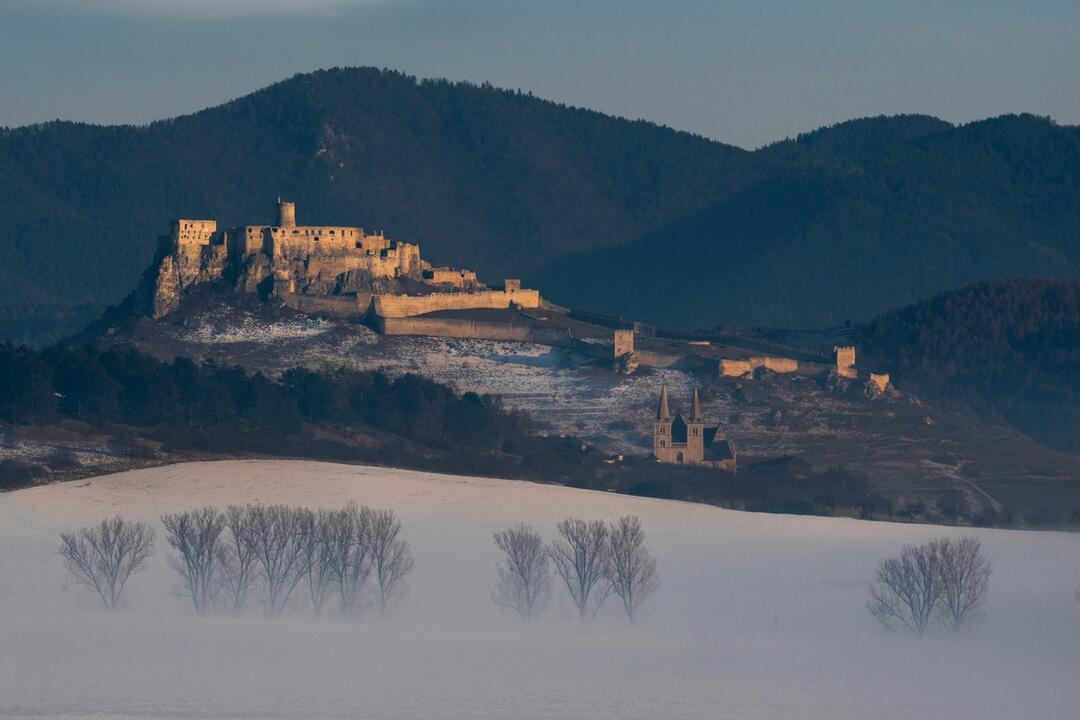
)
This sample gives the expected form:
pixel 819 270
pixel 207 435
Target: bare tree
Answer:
pixel 964 579
pixel 907 589
pixel 319 571
pixel 196 536
pixel 280 536
pixel 524 583
pixel 391 558
pixel 347 534
pixel 239 563
pixel 631 569
pixel 105 556
pixel 580 559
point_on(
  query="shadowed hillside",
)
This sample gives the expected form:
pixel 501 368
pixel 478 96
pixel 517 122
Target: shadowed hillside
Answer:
pixel 486 178
pixel 1006 350
pixel 851 221
pixel 599 212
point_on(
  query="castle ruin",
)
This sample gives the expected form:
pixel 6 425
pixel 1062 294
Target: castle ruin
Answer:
pixel 348 273
pixel 328 268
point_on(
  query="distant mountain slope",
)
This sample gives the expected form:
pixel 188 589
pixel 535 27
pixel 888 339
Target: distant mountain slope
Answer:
pixel 1008 350
pixel 599 212
pixel 849 222
pixel 487 178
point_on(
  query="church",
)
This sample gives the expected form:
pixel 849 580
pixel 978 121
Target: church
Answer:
pixel 685 440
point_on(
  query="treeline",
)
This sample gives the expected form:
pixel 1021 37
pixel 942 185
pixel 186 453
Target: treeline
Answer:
pixel 1009 351
pixel 208 407
pixel 183 407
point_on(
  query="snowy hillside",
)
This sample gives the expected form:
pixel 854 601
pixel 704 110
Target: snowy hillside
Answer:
pixel 759 616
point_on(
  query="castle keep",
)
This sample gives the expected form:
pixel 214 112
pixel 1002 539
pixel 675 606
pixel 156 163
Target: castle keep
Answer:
pixel 327 268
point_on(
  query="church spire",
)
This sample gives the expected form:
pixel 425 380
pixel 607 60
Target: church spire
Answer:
pixel 695 413
pixel 663 412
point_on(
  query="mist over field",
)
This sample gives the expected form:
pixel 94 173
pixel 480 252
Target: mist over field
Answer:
pixel 759 616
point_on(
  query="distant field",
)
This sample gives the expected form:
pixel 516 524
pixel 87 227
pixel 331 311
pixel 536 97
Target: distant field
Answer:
pixel 759 616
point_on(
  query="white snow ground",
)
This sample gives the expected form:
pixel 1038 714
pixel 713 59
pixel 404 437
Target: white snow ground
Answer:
pixel 759 616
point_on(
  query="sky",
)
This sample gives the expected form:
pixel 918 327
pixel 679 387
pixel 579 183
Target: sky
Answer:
pixel 745 73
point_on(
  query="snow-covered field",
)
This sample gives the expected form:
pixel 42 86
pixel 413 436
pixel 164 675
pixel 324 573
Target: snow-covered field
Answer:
pixel 759 616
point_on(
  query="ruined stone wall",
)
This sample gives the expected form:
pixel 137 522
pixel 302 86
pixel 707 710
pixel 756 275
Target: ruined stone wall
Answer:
pixel 399 306
pixel 623 342
pixel 475 329
pixel 743 367
pixel 879 381
pixel 331 306
pixel 323 239
pixel 187 232
pixel 649 358
pixel 451 276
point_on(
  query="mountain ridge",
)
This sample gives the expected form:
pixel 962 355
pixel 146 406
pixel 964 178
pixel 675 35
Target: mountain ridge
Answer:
pixel 588 206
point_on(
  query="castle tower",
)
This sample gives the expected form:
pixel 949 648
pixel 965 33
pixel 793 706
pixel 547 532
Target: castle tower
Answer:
pixel 662 429
pixel 695 432
pixel 845 361
pixel 623 343
pixel 286 213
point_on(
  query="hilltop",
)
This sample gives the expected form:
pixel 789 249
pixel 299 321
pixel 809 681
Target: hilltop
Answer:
pixel 602 213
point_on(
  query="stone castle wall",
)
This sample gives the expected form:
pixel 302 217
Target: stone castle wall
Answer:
pixel 747 366
pixel 401 306
pixel 474 329
pixel 187 232
pixel 330 306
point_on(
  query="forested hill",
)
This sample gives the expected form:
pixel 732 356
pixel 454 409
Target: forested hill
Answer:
pixel 1007 350
pixel 851 221
pixel 599 212
pixel 496 180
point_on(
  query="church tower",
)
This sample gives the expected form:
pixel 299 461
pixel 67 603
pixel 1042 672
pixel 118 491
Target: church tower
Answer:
pixel 662 429
pixel 695 432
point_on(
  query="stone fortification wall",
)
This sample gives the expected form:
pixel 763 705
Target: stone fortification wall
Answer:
pixel 401 306
pixel 475 329
pixel 321 239
pixel 880 381
pixel 341 307
pixel 653 359
pixel 450 276
pixel 613 322
pixel 747 366
pixel 187 232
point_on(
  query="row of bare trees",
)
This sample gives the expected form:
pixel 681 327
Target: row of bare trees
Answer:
pixel 227 560
pixel 353 554
pixel 943 583
pixel 593 560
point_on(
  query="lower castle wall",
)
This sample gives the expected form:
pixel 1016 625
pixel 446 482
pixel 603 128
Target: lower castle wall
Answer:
pixel 648 358
pixel 327 306
pixel 738 368
pixel 402 306
pixel 475 329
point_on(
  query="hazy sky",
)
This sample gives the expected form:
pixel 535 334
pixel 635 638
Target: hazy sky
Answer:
pixel 741 72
